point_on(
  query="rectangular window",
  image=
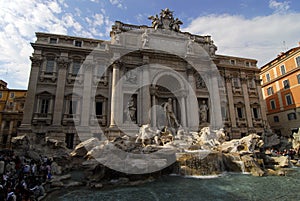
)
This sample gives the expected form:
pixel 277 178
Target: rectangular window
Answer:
pixel 286 84
pixel 240 112
pixel 282 69
pixel 247 63
pixel 235 82
pixel 12 95
pixel 69 140
pixel 268 77
pixel 255 113
pixel 4 139
pixel 0 95
pixel 273 104
pixel 292 116
pixel 270 91
pixel 298 61
pixel 50 65
pixel 289 100
pixel 76 67
pixel 99 108
pixel 78 43
pixel 44 106
pixel 232 62
pixel 72 107
pixel 298 78
pixel 53 40
pixel 276 119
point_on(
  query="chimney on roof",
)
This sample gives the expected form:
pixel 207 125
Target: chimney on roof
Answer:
pixel 280 54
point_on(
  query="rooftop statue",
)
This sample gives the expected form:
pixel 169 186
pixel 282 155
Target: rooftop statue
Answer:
pixel 165 21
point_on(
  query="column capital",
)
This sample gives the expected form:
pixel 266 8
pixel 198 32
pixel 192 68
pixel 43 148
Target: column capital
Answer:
pixel 36 61
pixel 63 62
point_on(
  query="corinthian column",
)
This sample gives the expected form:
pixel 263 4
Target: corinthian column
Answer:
pixel 115 95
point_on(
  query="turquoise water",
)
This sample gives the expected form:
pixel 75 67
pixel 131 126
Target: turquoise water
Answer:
pixel 229 187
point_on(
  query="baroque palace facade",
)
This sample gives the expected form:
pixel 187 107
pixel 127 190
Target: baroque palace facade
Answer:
pixel 81 87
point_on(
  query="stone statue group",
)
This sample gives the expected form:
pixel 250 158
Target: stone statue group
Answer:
pixel 165 21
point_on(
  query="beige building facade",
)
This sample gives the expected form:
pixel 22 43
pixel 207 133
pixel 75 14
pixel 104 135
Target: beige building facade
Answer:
pixel 281 86
pixel 11 112
pixel 158 75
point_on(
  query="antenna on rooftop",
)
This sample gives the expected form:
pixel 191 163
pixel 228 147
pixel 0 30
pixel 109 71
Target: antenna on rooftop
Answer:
pixel 284 46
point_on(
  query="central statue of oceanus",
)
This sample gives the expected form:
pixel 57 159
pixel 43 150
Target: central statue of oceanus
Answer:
pixel 165 21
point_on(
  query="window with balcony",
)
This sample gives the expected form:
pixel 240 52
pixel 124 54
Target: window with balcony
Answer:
pixel 240 112
pixel 273 104
pixel 76 67
pixel 50 65
pixel 270 91
pixel 72 107
pixel 282 69
pixel 268 77
pixel 286 84
pixel 236 82
pixel 44 107
pixel 276 118
pixel 255 111
pixel 288 99
pixel 298 61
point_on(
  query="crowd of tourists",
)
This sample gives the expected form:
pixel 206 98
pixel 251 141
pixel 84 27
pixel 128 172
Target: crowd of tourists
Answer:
pixel 291 153
pixel 22 178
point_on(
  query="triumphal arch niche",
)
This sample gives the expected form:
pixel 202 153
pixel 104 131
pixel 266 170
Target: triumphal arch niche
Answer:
pixel 163 77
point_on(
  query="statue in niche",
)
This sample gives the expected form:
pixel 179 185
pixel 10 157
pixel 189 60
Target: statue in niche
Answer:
pixel 145 39
pixel 131 110
pixel 170 116
pixel 203 109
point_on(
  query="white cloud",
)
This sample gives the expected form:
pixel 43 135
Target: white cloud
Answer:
pixel 259 38
pixel 279 6
pixel 20 20
pixel 118 3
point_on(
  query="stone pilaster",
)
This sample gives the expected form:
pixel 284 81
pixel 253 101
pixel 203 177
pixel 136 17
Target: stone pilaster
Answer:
pixel 192 117
pixel 228 81
pixel 62 64
pixel 215 101
pixel 36 62
pixel 247 102
pixel 145 92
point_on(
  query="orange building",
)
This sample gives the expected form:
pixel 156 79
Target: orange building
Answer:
pixel 11 112
pixel 281 91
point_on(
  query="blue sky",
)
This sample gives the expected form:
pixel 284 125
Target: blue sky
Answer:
pixel 258 29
